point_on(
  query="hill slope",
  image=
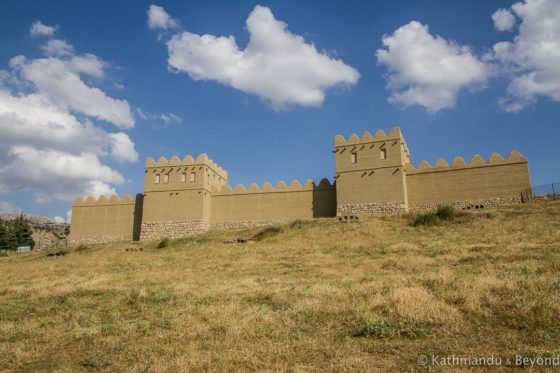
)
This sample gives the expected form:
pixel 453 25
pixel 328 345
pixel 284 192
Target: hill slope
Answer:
pixel 372 295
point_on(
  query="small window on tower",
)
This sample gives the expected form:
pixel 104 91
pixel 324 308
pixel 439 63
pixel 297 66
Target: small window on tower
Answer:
pixel 157 179
pixel 354 157
pixel 166 178
pixel 183 177
pixel 193 176
pixel 383 154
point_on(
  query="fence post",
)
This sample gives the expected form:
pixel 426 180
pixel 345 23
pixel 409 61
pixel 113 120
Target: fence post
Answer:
pixel 553 188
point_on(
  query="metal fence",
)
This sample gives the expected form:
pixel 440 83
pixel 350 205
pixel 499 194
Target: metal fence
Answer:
pixel 542 192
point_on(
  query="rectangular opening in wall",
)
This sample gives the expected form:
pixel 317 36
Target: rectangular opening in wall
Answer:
pixel 354 157
pixel 156 181
pixel 183 177
pixel 166 178
pixel 193 176
pixel 383 154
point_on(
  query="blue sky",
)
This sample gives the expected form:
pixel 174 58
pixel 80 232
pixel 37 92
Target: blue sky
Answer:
pixel 458 77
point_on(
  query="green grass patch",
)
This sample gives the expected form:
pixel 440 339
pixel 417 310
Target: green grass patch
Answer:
pixel 267 233
pixel 166 242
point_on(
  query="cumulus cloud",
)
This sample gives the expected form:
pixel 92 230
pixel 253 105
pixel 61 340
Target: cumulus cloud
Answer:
pixel 532 59
pixel 276 65
pixel 428 70
pixel 503 19
pixel 49 144
pixel 158 18
pixel 40 29
pixel 59 79
pixel 122 148
pixel 57 47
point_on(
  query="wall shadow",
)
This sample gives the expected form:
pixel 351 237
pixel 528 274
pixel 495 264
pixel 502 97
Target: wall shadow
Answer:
pixel 324 199
pixel 138 209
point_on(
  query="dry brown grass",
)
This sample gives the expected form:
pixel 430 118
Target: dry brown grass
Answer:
pixel 322 296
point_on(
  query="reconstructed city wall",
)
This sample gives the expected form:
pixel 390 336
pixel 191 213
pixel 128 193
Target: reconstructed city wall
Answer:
pixel 374 175
pixel 486 183
pixel 105 220
pixel 267 204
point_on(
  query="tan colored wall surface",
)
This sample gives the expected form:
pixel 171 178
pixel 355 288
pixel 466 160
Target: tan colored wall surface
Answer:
pixel 110 218
pixel 463 182
pixel 273 204
pixel 370 179
pixel 176 199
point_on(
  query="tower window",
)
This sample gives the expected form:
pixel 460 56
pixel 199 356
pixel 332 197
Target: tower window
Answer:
pixel 383 154
pixel 193 176
pixel 183 177
pixel 166 178
pixel 157 179
pixel 354 157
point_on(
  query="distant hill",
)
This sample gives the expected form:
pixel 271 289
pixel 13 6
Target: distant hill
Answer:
pixel 46 232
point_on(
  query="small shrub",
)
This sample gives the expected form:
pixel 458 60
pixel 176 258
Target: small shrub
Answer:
pixel 446 212
pixel 82 247
pixel 425 218
pixel 164 243
pixel 300 223
pixel 267 232
pixel 95 361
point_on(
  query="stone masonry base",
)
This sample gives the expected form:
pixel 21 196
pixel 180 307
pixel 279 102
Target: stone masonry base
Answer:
pixel 377 208
pixel 172 229
pixel 467 205
pixel 89 240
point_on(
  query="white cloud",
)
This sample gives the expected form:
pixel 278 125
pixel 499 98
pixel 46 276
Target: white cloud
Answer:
pixel 276 65
pixel 159 19
pixel 533 58
pixel 45 147
pixel 169 118
pixel 59 219
pixel 59 79
pixel 39 28
pixel 69 216
pixel 58 48
pixel 428 70
pixel 122 148
pixel 54 174
pixel 142 114
pixel 503 19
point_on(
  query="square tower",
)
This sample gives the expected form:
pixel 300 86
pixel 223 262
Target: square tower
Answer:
pixel 177 197
pixel 370 173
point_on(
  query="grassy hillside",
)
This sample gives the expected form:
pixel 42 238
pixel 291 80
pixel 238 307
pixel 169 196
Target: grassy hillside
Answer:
pixel 315 296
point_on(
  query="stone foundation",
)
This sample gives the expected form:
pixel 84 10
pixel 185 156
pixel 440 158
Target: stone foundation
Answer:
pixel 376 208
pixel 248 224
pixel 172 229
pixel 544 198
pixel 467 205
pixel 89 240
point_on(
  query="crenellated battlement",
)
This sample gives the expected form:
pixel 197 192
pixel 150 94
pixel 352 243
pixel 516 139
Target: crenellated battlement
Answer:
pixel 380 135
pixel 267 187
pixel 104 201
pixel 188 160
pixel 459 163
